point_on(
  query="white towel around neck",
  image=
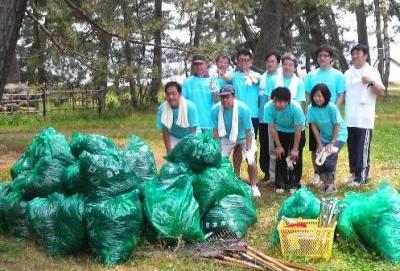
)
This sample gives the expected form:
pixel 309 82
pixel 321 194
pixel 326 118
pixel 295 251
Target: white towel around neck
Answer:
pixel 235 123
pixel 167 115
pixel 294 82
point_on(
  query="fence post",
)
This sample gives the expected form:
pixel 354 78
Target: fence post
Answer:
pixel 44 99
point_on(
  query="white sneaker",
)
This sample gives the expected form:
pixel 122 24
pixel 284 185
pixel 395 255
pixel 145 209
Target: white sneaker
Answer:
pixel 315 179
pixel 280 190
pixel 293 190
pixel 255 191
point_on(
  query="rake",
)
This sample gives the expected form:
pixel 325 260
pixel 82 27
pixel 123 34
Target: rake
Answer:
pixel 228 248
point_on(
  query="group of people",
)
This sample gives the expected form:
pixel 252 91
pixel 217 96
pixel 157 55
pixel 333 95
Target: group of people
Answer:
pixel 240 106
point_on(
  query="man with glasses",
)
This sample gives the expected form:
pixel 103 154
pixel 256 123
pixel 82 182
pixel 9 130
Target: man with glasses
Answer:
pixel 336 83
pixel 232 125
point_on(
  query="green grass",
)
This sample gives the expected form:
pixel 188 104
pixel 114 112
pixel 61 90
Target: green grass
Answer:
pixel 16 133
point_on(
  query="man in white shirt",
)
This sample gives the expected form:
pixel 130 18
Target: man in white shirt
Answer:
pixel 363 84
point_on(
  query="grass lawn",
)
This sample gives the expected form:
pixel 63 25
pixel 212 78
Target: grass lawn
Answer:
pixel 16 133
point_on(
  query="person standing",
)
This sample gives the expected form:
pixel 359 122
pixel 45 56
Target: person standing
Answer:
pixel 232 125
pixel 267 84
pixel 336 83
pixel 330 132
pixel 364 84
pixel 286 122
pixel 176 117
pixel 196 88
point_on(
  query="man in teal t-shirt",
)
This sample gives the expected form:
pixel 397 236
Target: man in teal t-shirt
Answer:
pixel 176 117
pixel 286 122
pixel 267 85
pixel 197 89
pixel 232 125
pixel 336 83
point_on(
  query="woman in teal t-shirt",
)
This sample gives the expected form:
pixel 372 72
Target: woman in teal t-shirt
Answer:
pixel 330 131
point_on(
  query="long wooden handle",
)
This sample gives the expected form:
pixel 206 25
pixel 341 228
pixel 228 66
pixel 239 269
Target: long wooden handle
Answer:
pixel 270 266
pixel 298 266
pixel 241 262
pixel 269 259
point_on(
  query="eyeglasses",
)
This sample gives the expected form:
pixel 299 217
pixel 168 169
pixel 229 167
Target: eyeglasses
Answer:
pixel 243 59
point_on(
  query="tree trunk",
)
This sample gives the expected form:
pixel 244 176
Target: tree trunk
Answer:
pixel 386 42
pixel 313 23
pixel 157 61
pixel 269 20
pixel 199 26
pixel 101 77
pixel 379 36
pixel 129 74
pixel 362 31
pixel 38 50
pixel 13 74
pixel 217 26
pixel 11 15
pixel 332 27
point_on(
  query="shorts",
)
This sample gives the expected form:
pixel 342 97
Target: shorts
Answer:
pixel 227 146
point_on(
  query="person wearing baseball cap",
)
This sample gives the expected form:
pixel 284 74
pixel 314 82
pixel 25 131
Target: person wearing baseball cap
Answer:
pixel 232 126
pixel 196 88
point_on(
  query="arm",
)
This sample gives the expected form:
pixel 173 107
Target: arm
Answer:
pixel 340 99
pixel 279 149
pixel 215 133
pixel 167 141
pixel 335 133
pixel 376 88
pixel 315 130
pixel 295 150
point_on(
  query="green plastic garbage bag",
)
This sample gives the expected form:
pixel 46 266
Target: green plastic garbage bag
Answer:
pixel 15 214
pixel 373 218
pixel 214 183
pixel 303 204
pixel 170 206
pixel 70 228
pixel 47 143
pixel 114 227
pixel 41 215
pixel 91 143
pixel 105 176
pixel 233 213
pixel 139 156
pixel 199 151
pixel 4 190
pixel 71 179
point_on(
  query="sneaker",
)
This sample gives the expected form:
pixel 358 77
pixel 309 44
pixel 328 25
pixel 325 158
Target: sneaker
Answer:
pixel 293 190
pixel 353 184
pixel 280 190
pixel 255 191
pixel 331 188
pixel 315 179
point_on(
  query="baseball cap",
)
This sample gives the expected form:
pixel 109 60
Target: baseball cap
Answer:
pixel 226 90
pixel 199 59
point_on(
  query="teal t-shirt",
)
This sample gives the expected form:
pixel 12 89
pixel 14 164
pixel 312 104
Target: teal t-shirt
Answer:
pixel 243 116
pixel 300 93
pixel 326 118
pixel 245 93
pixel 176 130
pixel 333 78
pixel 270 85
pixel 197 90
pixel 287 119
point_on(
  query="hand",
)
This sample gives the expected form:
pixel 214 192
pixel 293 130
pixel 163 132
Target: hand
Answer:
pixel 294 155
pixel 366 80
pixel 220 73
pixel 250 157
pixel 319 148
pixel 279 152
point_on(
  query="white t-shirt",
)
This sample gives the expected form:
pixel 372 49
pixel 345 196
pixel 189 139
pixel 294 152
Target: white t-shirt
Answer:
pixel 360 100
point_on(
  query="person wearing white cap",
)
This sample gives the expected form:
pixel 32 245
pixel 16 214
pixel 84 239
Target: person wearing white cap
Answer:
pixel 176 117
pixel 232 125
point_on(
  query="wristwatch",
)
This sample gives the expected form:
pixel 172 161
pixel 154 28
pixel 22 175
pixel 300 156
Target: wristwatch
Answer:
pixel 370 84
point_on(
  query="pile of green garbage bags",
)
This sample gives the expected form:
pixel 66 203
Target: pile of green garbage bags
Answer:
pixel 369 218
pixel 87 194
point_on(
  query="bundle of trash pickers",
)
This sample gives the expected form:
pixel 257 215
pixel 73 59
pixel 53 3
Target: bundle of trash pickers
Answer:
pixel 89 194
